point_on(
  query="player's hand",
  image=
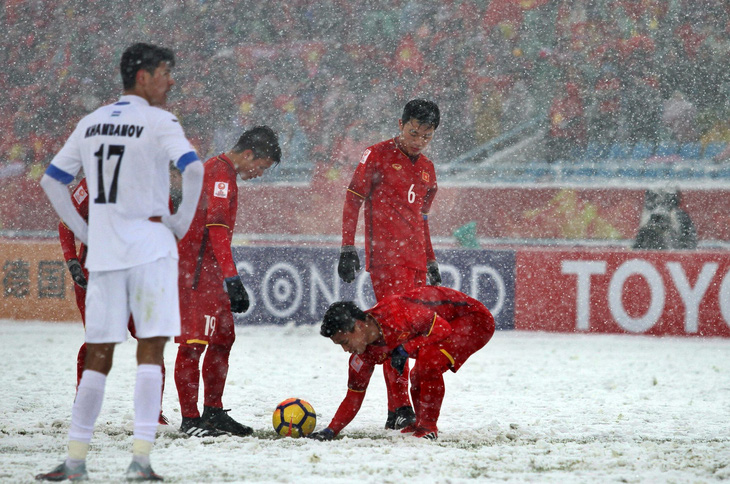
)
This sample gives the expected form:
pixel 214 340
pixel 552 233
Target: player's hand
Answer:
pixel 322 435
pixel 77 273
pixel 237 294
pixel 433 273
pixel 398 359
pixel 349 263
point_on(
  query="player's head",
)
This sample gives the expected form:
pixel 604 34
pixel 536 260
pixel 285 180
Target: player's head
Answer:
pixel 345 324
pixel 341 316
pixel 145 57
pixel 425 112
pixel 262 140
pixel 417 126
pixel 255 151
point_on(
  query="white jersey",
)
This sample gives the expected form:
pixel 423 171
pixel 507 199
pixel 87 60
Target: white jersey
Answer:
pixel 125 150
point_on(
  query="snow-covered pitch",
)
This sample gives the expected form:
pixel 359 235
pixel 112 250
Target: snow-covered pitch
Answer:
pixel 529 407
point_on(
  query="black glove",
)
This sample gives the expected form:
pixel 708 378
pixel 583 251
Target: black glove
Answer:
pixel 434 276
pixel 322 435
pixel 237 294
pixel 349 263
pixel 398 359
pixel 77 273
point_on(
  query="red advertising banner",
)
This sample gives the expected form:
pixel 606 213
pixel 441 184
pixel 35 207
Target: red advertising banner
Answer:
pixel 638 292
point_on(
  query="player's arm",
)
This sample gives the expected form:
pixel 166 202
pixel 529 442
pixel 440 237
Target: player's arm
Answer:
pixel 68 241
pixel 172 139
pixel 432 267
pixel 357 192
pixel 192 184
pixel 356 386
pixel 220 241
pixel 350 214
pixel 54 183
pixel 349 263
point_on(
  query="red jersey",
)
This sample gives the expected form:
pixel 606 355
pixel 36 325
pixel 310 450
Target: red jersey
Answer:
pixel 413 319
pixel 217 208
pixel 398 193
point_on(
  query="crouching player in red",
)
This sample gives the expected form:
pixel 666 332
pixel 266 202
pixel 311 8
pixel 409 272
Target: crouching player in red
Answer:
pixel 76 263
pixel 439 327
pixel 210 287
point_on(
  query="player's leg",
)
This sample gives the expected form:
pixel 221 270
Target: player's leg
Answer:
pixel 469 334
pixel 187 381
pixel 162 420
pixel 80 364
pixel 193 342
pixel 156 311
pixel 106 316
pixel 147 392
pixel 427 389
pixel 187 378
pixel 389 280
pixel 215 373
pixel 80 294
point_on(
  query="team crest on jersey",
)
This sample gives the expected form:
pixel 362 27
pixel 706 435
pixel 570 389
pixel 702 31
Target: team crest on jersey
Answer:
pixel 424 176
pixel 397 166
pixel 221 190
pixel 80 194
pixel 365 156
pixel 403 336
pixel 356 363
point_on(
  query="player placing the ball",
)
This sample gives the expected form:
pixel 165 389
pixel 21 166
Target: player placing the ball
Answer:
pixel 439 327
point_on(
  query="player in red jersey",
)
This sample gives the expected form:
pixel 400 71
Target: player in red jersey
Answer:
pixel 76 263
pixel 397 184
pixel 437 326
pixel 210 287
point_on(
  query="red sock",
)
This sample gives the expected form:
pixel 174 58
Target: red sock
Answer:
pixel 215 372
pixel 187 378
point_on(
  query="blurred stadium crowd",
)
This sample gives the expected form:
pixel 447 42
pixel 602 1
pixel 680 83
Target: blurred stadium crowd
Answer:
pixel 332 75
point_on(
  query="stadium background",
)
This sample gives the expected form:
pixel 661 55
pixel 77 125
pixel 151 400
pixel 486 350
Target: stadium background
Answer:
pixel 332 76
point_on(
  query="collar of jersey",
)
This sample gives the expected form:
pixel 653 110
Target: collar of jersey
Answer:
pixel 223 157
pixel 133 99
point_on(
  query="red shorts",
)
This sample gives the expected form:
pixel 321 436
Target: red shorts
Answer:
pixel 205 317
pixel 469 334
pixel 390 279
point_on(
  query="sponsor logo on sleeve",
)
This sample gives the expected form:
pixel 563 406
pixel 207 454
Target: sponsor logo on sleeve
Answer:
pixel 356 363
pixel 365 156
pixel 221 189
pixel 80 194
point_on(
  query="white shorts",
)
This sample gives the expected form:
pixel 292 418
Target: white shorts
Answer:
pixel 148 291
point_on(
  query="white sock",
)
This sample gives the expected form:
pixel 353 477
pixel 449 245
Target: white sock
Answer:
pixel 147 401
pixel 87 406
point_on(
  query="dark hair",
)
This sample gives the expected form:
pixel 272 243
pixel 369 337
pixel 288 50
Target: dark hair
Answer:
pixel 262 141
pixel 423 111
pixel 142 56
pixel 341 316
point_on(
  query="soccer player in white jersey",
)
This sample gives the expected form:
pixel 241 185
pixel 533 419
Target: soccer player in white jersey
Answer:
pixel 125 150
